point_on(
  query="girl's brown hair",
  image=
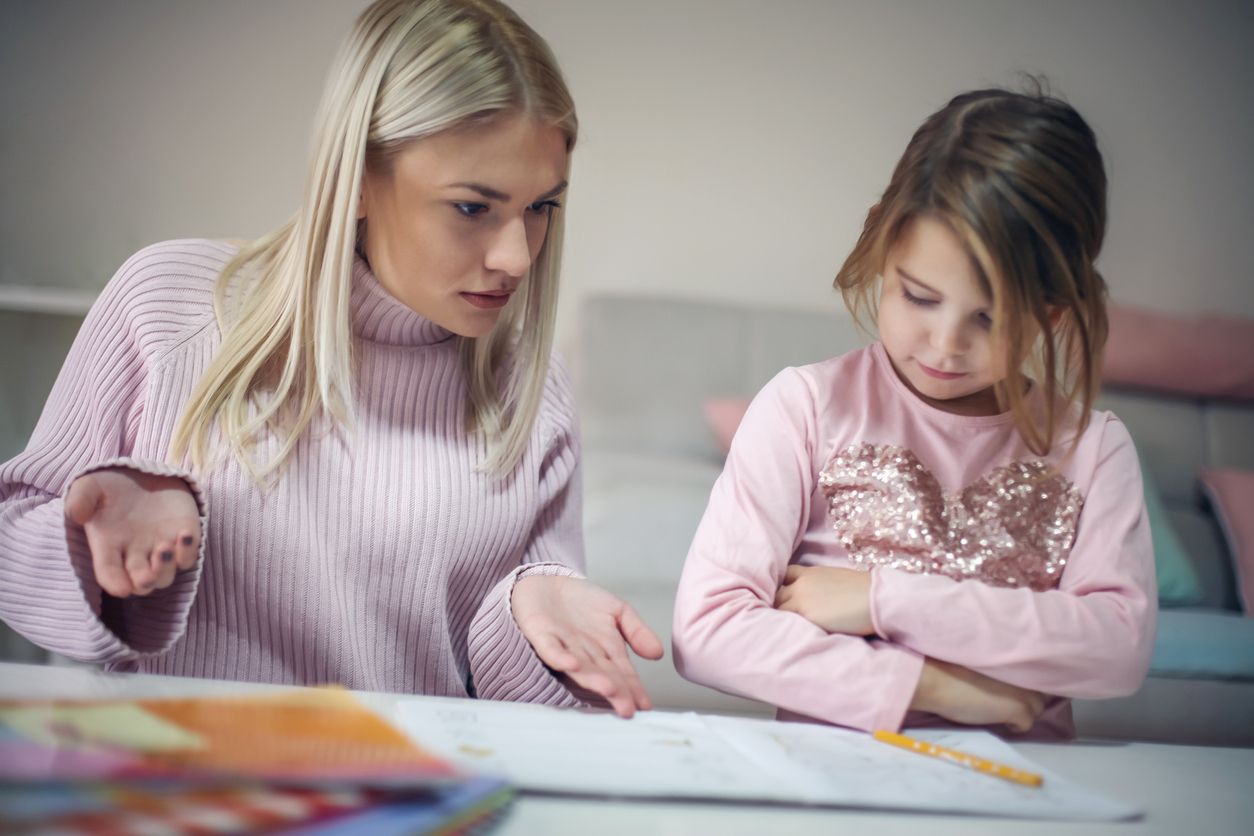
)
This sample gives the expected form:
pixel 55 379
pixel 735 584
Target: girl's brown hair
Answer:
pixel 1018 178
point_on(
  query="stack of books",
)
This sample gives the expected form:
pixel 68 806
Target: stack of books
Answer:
pixel 314 761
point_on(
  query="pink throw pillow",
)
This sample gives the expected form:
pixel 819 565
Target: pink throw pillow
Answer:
pixel 1203 356
pixel 1232 494
pixel 723 417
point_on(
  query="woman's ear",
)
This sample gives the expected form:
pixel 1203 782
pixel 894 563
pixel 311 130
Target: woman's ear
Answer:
pixel 1056 313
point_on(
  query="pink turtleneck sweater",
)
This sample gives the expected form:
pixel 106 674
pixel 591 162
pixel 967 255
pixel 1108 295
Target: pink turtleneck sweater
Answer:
pixel 382 560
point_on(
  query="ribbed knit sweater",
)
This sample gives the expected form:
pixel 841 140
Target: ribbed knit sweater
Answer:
pixel 383 559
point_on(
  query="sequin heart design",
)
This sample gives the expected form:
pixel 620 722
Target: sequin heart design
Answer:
pixel 1012 527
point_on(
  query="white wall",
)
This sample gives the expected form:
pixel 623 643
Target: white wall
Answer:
pixel 729 147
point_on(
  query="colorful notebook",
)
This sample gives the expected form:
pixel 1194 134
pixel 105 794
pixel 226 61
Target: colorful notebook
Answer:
pixel 226 764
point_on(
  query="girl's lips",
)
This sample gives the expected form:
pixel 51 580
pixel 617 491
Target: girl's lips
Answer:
pixel 487 301
pixel 940 375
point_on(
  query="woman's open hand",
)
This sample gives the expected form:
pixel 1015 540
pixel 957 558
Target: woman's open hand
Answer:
pixel 141 528
pixel 838 600
pixel 582 631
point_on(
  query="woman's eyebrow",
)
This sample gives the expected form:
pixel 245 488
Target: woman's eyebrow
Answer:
pixel 495 194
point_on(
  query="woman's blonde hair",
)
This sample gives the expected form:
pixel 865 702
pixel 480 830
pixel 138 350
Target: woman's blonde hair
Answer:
pixel 1018 179
pixel 409 69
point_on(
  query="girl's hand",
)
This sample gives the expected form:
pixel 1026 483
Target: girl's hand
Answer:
pixel 141 529
pixel 964 696
pixel 579 629
pixel 838 600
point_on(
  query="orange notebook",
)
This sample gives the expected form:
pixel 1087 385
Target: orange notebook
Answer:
pixel 306 737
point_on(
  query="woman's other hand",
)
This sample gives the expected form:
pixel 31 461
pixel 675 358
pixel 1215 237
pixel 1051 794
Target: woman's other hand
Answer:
pixel 838 600
pixel 141 528
pixel 964 696
pixel 582 631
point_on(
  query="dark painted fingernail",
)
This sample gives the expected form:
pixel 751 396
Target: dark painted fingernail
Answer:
pixel 167 556
pixel 187 539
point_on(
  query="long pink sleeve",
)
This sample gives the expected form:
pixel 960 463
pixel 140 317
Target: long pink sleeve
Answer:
pixel 49 593
pixel 727 634
pixel 382 560
pixel 1091 637
pixel 502 662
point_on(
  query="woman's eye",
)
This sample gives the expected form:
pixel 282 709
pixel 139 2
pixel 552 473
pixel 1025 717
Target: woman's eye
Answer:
pixel 544 207
pixel 984 320
pixel 916 300
pixel 470 210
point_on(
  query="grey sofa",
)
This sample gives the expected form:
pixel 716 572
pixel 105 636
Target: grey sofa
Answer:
pixel 644 368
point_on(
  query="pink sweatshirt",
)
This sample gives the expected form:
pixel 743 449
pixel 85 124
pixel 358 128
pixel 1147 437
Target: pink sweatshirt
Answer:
pixel 382 560
pixel 977 558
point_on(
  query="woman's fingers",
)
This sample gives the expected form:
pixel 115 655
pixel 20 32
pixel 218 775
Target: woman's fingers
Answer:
pixel 162 562
pixel 138 563
pixel 554 653
pixel 610 655
pixel 82 499
pixel 638 634
pixel 187 548
pixel 108 565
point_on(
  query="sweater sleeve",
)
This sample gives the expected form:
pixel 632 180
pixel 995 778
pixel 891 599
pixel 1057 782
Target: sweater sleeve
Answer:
pixel 48 591
pixel 503 665
pixel 727 633
pixel 1091 637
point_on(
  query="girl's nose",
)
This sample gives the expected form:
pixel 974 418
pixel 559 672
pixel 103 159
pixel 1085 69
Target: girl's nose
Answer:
pixel 510 252
pixel 949 338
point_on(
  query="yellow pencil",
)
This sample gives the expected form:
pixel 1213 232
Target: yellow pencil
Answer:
pixel 1009 773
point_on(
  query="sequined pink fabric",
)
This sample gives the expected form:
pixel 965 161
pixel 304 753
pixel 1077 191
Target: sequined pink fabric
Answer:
pixel 1011 527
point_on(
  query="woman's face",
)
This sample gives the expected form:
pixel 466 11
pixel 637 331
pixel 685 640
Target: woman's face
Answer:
pixel 453 226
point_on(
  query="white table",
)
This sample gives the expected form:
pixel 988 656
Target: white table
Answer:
pixel 1185 790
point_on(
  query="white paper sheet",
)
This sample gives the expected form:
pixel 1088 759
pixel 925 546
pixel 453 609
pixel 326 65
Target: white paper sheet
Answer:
pixel 669 755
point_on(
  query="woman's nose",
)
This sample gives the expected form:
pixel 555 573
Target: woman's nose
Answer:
pixel 510 252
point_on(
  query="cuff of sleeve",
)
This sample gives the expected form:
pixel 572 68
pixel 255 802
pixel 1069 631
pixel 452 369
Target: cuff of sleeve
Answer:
pixel 889 596
pixel 902 668
pixel 876 610
pixel 151 624
pixel 503 664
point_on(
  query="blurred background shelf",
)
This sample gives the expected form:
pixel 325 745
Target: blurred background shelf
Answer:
pixel 58 301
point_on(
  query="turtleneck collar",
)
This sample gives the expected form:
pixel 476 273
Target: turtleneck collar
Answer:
pixel 380 317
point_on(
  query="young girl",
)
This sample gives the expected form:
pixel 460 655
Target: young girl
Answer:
pixel 938 528
pixel 341 453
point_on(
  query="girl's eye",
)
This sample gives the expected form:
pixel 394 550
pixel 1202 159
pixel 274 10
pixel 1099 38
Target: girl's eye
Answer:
pixel 544 207
pixel 470 210
pixel 916 300
pixel 985 321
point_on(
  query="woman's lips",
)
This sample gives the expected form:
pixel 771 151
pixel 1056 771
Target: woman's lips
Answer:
pixel 488 301
pixel 940 375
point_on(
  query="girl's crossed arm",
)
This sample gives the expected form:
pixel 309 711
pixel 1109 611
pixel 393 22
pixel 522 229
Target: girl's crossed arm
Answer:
pixel 727 632
pixel 1091 637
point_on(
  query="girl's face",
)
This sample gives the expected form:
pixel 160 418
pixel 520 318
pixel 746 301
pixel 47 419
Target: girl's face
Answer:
pixel 454 225
pixel 935 321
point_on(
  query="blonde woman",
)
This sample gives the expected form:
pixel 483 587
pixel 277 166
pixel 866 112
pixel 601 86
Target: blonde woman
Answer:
pixel 342 453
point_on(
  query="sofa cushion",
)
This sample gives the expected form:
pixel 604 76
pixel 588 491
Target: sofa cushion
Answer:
pixel 723 416
pixel 1231 491
pixel 1178 582
pixel 1204 644
pixel 641 512
pixel 1205 356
